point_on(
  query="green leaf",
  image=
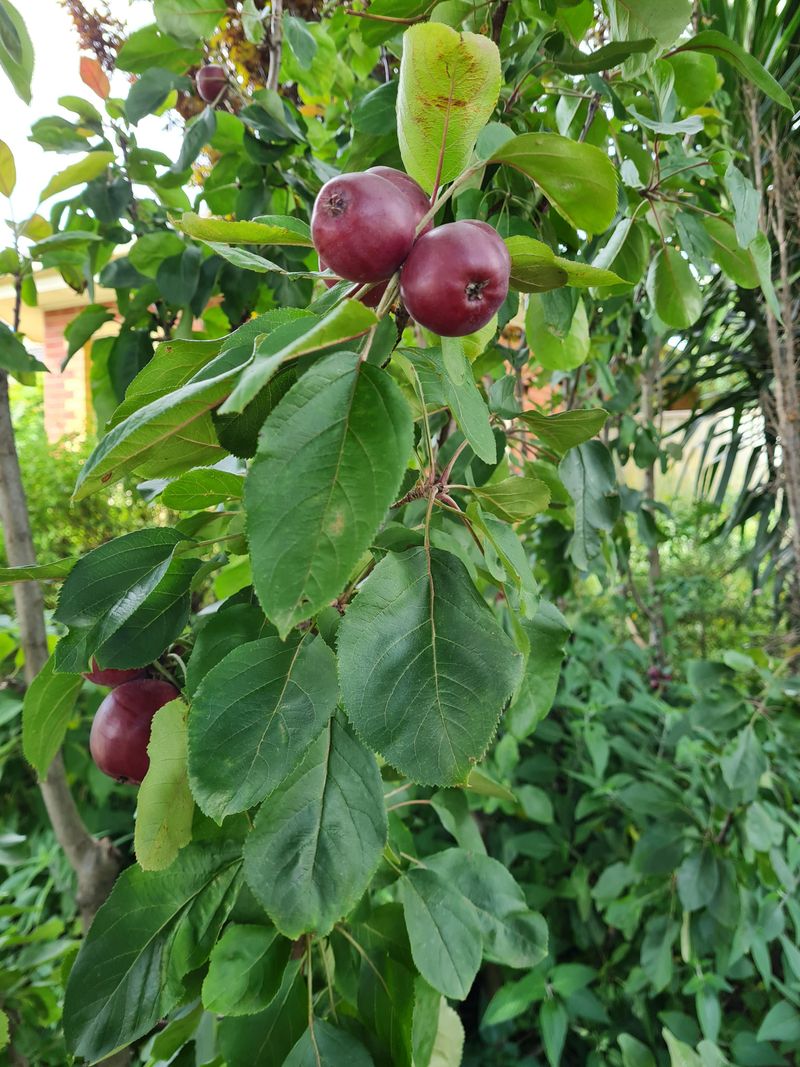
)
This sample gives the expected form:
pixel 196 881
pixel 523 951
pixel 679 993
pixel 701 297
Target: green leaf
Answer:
pixel 673 289
pixel 553 1023
pixel 60 568
pixel 698 878
pixel 174 363
pixel 46 711
pixel 149 92
pixel 269 230
pixel 695 77
pixel 554 352
pixel 761 251
pixel 449 83
pixel 717 43
pixel 512 934
pixel 452 807
pixel 347 320
pixel 573 61
pixel 253 718
pixel 201 488
pixel 588 475
pixel 234 624
pixel 86 323
pixel 743 764
pixel 746 203
pixel 85 170
pixel 535 804
pixel 199 132
pixel 14 356
pixel 153 930
pixel 124 601
pixel 4 1031
pixel 330 1047
pixel 465 401
pixel 565 429
pixel 162 437
pixel 680 1054
pixel 432 722
pixel 188 20
pixel 266 1039
pixel 376 112
pixel 149 47
pixel 300 39
pixel 547 632
pixel 634 1053
pixel 781 1023
pixel 656 954
pixel 736 262
pixel 578 179
pixel 164 807
pixel 331 458
pixel 513 998
pixel 444 932
pixel 535 268
pixel 514 499
pixel 318 840
pixel 246 970
pixel 16 50
pixel 662 19
pixel 151 249
pixel 8 170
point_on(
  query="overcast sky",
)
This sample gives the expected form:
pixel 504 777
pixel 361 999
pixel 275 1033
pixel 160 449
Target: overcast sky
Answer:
pixel 55 74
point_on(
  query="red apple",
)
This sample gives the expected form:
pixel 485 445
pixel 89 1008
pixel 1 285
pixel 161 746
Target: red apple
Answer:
pixel 456 277
pixel 362 226
pixel 121 728
pixel 111 677
pixel 420 200
pixel 210 81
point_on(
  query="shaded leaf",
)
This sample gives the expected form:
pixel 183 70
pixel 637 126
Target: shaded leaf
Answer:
pixel 46 711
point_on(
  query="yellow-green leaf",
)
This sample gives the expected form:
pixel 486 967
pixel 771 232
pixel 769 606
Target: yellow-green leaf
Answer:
pixel 8 171
pixel 84 170
pixel 165 807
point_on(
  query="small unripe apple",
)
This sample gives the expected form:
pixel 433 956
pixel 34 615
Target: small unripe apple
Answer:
pixel 362 226
pixel 420 200
pixel 370 299
pixel 456 277
pixel 210 82
pixel 121 727
pixel 111 677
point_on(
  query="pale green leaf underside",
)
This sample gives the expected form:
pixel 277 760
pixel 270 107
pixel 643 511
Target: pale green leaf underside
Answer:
pixel 425 668
pixel 164 806
pixel 447 79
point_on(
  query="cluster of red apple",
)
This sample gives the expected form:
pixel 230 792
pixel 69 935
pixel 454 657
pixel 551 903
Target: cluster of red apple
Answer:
pixel 121 727
pixel 452 278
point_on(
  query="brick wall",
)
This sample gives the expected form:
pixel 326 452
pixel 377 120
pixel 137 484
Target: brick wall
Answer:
pixel 67 395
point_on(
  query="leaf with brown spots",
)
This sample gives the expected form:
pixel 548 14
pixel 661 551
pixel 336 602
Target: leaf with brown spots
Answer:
pixel 449 85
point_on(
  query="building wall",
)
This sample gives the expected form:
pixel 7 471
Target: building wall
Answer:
pixel 67 393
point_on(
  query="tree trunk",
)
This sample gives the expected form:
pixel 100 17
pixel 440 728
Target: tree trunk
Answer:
pixel 96 863
pixel 651 385
pixel 782 344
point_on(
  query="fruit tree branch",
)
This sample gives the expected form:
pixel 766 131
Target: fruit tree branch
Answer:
pixel 275 43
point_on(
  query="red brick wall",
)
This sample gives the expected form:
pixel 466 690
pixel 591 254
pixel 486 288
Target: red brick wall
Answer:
pixel 67 395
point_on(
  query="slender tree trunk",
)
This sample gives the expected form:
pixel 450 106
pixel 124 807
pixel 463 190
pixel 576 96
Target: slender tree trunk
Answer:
pixel 651 384
pixel 96 863
pixel 275 43
pixel 782 343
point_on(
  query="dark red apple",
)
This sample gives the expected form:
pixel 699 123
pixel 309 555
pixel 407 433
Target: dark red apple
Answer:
pixel 420 200
pixel 371 298
pixel 362 226
pixel 210 82
pixel 456 277
pixel 121 727
pixel 110 677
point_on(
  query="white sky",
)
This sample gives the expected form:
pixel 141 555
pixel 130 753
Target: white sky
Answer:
pixel 55 74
